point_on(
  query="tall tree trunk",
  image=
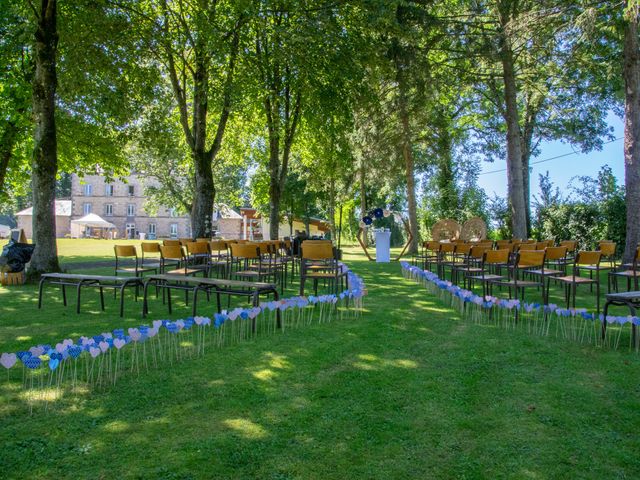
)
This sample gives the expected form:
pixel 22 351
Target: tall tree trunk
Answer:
pixel 526 178
pixel 274 189
pixel 203 197
pixel 332 208
pixel 407 154
pixel 515 177
pixel 45 157
pixel 7 143
pixel 631 72
pixel 363 204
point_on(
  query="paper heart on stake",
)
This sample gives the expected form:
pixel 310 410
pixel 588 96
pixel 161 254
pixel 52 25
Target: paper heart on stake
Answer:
pixel 60 347
pixel 152 332
pixel 119 343
pixel 32 362
pixel 179 324
pixel 36 351
pixel 8 360
pixel 104 346
pixel 94 352
pixel 157 324
pixel 135 334
pixel 53 363
pixel 67 342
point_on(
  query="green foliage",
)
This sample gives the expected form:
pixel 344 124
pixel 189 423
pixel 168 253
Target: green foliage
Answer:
pixel 597 211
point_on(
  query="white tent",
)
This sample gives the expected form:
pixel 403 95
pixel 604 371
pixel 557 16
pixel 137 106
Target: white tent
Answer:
pixel 5 231
pixel 89 221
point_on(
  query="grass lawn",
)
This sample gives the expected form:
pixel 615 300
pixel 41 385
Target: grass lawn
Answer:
pixel 406 391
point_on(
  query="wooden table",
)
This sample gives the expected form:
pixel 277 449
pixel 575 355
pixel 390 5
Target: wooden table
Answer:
pixel 79 280
pixel 219 286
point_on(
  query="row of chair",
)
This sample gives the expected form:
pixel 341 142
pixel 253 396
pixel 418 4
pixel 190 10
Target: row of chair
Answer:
pixel 252 261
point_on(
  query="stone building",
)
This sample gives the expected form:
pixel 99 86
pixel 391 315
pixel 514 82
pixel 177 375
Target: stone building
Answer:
pixel 63 219
pixel 123 204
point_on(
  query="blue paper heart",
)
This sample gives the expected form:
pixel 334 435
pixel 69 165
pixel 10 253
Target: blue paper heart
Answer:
pixel 53 363
pixel 75 351
pixel 32 362
pixel 22 355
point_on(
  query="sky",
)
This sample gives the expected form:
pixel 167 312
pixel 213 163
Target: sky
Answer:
pixel 493 177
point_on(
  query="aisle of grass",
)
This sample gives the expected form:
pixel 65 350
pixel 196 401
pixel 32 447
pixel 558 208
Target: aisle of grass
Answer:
pixel 407 391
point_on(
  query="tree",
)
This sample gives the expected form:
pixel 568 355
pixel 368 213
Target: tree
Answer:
pixel 631 73
pixel 45 156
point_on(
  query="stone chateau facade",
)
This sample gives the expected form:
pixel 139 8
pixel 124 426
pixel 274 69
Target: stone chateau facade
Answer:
pixel 123 204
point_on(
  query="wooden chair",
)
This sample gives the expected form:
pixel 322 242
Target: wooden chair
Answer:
pixel 198 256
pixel 627 273
pixel 129 251
pixel 525 261
pixel 219 261
pixel 175 256
pixel 152 252
pixel 244 256
pixel 471 266
pixel 608 250
pixel 571 246
pixel 171 243
pixel 323 255
pixel 446 258
pixel 583 260
pixel 554 257
pixel 490 269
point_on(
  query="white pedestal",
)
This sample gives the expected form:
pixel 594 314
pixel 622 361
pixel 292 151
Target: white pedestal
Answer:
pixel 383 246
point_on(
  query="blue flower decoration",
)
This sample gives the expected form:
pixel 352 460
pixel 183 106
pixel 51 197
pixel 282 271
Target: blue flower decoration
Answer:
pixel 367 220
pixel 378 213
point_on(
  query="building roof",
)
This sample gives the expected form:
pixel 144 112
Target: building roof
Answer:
pixel 225 211
pixel 63 209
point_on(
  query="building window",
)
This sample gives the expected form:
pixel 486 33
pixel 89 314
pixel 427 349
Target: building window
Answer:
pixel 131 210
pixel 152 229
pixel 108 210
pixel 108 190
pixel 88 190
pixel 173 230
pixel 86 208
pixel 131 190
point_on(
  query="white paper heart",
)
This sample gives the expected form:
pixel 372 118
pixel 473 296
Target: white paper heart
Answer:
pixel 119 343
pixel 135 334
pixel 8 360
pixel 152 332
pixel 107 335
pixel 67 342
pixel 157 324
pixel 104 346
pixel 60 347
pixel 180 324
pixel 198 320
pixel 94 352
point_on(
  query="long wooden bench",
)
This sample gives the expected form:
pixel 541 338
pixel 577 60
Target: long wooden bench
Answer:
pixel 219 286
pixel 79 281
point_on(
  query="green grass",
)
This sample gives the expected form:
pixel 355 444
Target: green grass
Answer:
pixel 406 391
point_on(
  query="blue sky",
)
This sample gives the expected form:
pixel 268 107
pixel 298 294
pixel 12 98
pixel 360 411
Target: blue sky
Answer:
pixel 561 170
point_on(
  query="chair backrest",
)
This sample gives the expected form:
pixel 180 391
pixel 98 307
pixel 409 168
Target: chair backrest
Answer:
pixel 171 252
pixel 530 258
pixel 433 246
pixel 244 250
pixel 501 244
pixel 543 244
pixel 570 244
pixel 556 253
pixel 607 247
pixel 477 251
pixel 184 241
pixel 197 248
pixel 550 242
pixel 217 246
pixel 463 248
pixel 487 244
pixel 203 239
pixel 496 256
pixel 527 247
pixel 150 247
pixel 125 250
pixel 448 247
pixel 588 258
pixel 171 243
pixel 317 251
